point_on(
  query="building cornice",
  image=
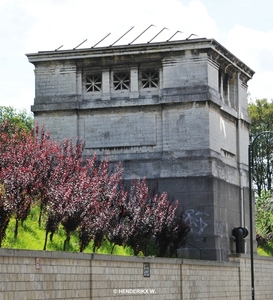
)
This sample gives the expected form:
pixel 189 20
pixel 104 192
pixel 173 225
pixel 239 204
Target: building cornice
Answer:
pixel 210 45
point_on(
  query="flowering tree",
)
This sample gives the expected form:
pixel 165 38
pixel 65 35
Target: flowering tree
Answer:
pixel 17 172
pixel 149 218
pixel 26 164
pixel 47 157
pixel 139 217
pixel 73 190
pixel 5 213
pixel 173 233
pixel 103 204
pixel 82 195
pixel 64 189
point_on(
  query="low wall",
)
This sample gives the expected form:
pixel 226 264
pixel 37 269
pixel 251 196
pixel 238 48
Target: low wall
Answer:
pixel 61 275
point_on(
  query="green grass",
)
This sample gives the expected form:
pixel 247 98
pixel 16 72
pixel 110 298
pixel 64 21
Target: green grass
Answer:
pixel 32 237
pixel 266 250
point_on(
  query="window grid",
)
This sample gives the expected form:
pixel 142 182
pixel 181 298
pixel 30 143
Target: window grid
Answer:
pixel 93 83
pixel 149 79
pixel 121 81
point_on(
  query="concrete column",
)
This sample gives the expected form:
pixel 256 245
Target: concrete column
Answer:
pixel 106 84
pixel 134 89
pixel 227 92
pixel 79 83
pixel 221 89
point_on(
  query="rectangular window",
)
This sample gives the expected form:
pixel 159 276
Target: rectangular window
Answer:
pixel 121 81
pixel 93 83
pixel 149 79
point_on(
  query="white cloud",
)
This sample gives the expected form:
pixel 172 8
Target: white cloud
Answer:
pixel 255 49
pixel 69 22
pixel 28 26
pixel 24 101
pixel 199 20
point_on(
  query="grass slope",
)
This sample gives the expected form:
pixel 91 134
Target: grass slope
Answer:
pixel 32 237
pixel 266 250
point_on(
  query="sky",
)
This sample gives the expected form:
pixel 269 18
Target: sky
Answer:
pixel 244 27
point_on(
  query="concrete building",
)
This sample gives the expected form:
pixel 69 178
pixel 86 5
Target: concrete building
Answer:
pixel 173 112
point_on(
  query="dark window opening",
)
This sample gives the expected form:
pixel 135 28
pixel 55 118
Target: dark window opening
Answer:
pixel 93 83
pixel 149 79
pixel 121 81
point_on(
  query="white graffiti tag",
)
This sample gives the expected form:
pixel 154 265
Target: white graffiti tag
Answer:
pixel 196 220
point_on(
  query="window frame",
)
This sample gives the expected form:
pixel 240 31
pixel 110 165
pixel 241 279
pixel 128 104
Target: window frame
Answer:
pixel 152 79
pixel 121 80
pixel 94 81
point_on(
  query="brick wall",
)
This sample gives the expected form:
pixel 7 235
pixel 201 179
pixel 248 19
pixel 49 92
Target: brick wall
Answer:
pixel 44 275
pixel 27 275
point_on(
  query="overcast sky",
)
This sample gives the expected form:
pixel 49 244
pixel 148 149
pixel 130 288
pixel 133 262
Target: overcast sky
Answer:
pixel 244 27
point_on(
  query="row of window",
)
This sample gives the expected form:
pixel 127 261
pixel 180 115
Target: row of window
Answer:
pixel 121 81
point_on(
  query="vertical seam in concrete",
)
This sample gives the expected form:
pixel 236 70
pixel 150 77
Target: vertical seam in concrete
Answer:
pixel 77 124
pixel 240 288
pixel 91 279
pixel 181 280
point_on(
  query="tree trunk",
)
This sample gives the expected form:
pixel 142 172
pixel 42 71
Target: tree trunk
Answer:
pixel 66 241
pixel 16 228
pixel 45 240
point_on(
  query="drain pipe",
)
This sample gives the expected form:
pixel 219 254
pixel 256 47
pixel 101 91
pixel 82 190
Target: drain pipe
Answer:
pixel 239 153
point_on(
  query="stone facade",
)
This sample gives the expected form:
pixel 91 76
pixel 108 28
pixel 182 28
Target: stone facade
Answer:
pixel 173 112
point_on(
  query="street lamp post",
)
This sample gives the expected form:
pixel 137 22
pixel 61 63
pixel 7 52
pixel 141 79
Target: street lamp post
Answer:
pixel 250 166
pixel 250 159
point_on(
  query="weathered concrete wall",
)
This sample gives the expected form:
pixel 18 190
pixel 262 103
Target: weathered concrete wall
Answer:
pixel 52 82
pixel 27 275
pixel 180 120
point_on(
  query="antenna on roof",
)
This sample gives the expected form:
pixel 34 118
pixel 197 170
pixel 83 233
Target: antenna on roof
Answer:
pixel 173 35
pixel 80 44
pixel 122 36
pixel 190 36
pixel 101 40
pixel 157 34
pixel 141 34
pixel 58 48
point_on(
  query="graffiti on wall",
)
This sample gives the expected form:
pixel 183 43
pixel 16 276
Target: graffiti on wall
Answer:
pixel 197 220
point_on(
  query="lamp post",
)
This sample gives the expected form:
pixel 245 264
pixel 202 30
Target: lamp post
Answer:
pixel 250 166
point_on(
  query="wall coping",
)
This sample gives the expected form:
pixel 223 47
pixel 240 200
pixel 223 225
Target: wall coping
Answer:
pixel 255 257
pixel 120 258
pixel 115 258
